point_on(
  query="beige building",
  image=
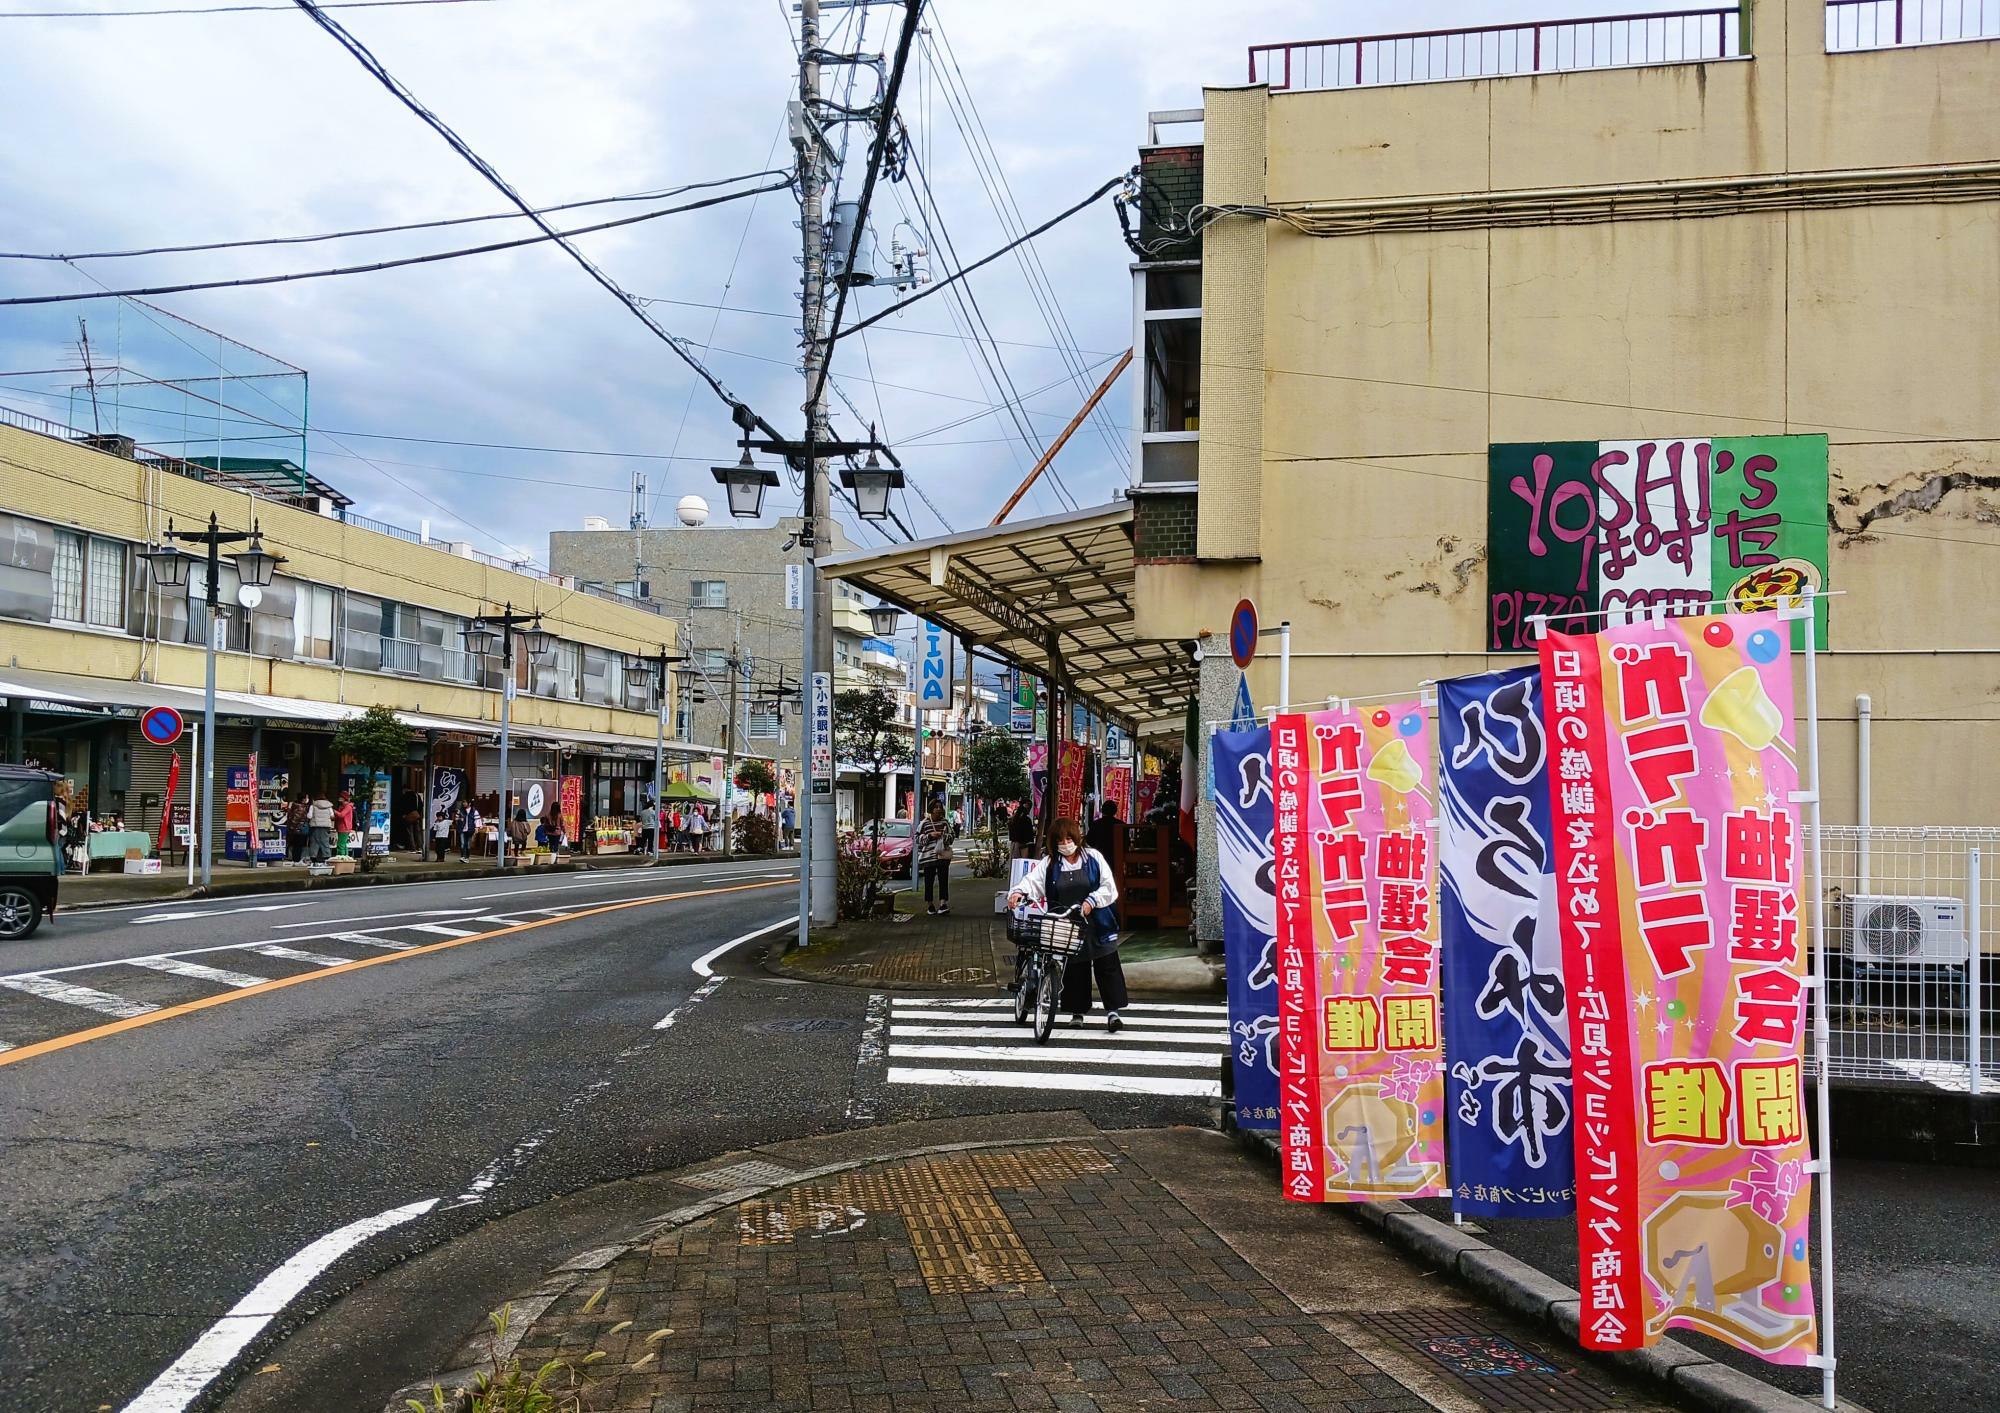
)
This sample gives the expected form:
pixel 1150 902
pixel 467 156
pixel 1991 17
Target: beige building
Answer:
pixel 1787 225
pixel 355 617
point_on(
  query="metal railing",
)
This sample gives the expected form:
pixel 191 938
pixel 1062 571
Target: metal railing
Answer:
pixel 382 527
pixel 1911 918
pixel 1855 25
pixel 1503 51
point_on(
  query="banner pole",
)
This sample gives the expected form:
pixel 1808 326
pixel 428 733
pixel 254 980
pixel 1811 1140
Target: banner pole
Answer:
pixel 1822 1032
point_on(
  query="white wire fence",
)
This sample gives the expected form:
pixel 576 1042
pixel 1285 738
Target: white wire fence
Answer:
pixel 1912 934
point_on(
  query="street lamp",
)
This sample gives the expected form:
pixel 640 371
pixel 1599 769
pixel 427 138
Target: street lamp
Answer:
pixel 746 483
pixel 254 565
pixel 870 484
pixel 883 618
pixel 643 674
pixel 481 635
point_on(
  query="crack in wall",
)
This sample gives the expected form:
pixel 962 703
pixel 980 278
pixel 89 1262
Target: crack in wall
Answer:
pixel 1850 520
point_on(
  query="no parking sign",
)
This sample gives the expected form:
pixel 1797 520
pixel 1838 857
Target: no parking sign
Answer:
pixel 161 725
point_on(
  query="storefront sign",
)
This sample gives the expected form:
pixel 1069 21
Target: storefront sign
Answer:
pixel 934 668
pixel 1678 878
pixel 1508 1095
pixel 572 807
pixel 1360 1056
pixel 448 787
pixel 821 769
pixel 1069 781
pixel 1635 526
pixel 1243 821
pixel 795 588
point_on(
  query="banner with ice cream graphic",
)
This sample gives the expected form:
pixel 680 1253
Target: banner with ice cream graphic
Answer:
pixel 1361 1058
pixel 1678 879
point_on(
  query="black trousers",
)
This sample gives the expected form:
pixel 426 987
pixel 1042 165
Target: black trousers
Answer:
pixel 1110 975
pixel 937 876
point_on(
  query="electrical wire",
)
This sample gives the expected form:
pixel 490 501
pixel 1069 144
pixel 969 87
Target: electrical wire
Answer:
pixel 560 237
pixel 219 9
pixel 390 230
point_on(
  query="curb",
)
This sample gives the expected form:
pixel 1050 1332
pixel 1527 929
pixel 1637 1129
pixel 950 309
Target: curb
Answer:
pixel 479 1348
pixel 1516 1286
pixel 303 883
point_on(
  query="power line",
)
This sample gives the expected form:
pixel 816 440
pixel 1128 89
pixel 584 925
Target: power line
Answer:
pixel 387 230
pixel 220 9
pixel 560 237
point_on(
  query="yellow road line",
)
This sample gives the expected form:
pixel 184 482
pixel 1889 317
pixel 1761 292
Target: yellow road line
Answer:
pixel 99 1032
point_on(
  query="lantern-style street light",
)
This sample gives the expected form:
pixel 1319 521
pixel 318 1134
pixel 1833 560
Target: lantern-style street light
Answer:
pixel 870 484
pixel 746 483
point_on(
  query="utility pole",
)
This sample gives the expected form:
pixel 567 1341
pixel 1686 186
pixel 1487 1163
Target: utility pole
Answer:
pixel 729 739
pixel 816 882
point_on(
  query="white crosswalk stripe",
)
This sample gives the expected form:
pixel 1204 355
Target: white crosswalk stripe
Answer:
pixel 975 1044
pixel 293 954
pixel 440 929
pixel 195 971
pixel 70 994
pixel 365 939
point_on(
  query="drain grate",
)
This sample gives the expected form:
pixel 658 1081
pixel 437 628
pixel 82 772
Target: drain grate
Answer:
pixel 750 1173
pixel 1502 1373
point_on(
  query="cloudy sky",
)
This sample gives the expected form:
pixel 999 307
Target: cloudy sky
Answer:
pixel 137 131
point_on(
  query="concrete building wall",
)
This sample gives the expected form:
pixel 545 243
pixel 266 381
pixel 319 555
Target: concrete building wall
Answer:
pixel 1392 357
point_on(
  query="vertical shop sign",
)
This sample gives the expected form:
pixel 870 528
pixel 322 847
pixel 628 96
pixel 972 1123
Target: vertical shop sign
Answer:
pixel 1244 817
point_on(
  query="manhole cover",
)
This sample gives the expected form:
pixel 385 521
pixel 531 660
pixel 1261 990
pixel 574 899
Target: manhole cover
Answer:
pixel 749 1173
pixel 803 1025
pixel 1502 1373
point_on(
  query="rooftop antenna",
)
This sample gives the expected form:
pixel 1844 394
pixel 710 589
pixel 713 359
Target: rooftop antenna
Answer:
pixel 638 521
pixel 89 373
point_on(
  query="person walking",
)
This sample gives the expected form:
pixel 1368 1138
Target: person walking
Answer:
pixel 468 829
pixel 1104 829
pixel 1021 831
pixel 441 834
pixel 319 829
pixel 1074 874
pixel 789 823
pixel 934 858
pixel 649 824
pixel 343 822
pixel 297 832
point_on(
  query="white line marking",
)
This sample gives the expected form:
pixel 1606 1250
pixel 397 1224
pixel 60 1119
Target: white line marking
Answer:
pixel 362 939
pixel 708 989
pixel 1094 1020
pixel 183 1380
pixel 381 917
pixel 216 912
pixel 701 963
pixel 637 876
pixel 1096 1082
pixel 195 971
pixel 1007 1003
pixel 1217 1040
pixel 6 1045
pixel 1068 1055
pixel 72 995
pixel 861 1106
pixel 440 929
pixel 293 954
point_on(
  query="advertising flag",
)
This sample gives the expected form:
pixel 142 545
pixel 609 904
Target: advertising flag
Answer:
pixel 1507 1091
pixel 1677 853
pixel 1243 820
pixel 1360 1042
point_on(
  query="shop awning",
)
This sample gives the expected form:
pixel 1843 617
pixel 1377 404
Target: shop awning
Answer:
pixel 1052 596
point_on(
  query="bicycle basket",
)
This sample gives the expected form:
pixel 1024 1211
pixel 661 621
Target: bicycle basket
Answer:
pixel 1059 936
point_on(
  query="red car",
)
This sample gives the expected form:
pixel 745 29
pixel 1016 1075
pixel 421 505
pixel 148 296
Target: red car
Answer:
pixel 897 845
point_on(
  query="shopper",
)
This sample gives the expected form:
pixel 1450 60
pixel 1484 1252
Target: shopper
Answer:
pixel 1074 875
pixel 934 857
pixel 319 829
pixel 788 821
pixel 468 829
pixel 441 835
pixel 1104 829
pixel 343 822
pixel 518 832
pixel 1021 831
pixel 649 825
pixel 296 830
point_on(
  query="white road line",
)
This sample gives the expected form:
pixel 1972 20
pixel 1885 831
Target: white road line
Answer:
pixel 381 917
pixel 182 1381
pixel 1217 1040
pixel 215 912
pixel 1094 1020
pixel 362 939
pixel 293 954
pixel 637 876
pixel 6 1045
pixel 1092 1082
pixel 1007 1003
pixel 439 929
pixel 861 1102
pixel 708 989
pixel 701 963
pixel 195 971
pixel 72 995
pixel 1067 1055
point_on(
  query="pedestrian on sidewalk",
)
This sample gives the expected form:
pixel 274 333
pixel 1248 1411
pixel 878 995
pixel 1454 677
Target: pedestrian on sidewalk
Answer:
pixel 649 822
pixel 441 835
pixel 1104 829
pixel 319 829
pixel 517 831
pixel 343 822
pixel 1073 874
pixel 934 855
pixel 468 830
pixel 296 830
pixel 789 822
pixel 1021 831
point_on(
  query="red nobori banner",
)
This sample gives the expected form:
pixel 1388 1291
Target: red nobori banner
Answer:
pixel 1677 883
pixel 1361 1060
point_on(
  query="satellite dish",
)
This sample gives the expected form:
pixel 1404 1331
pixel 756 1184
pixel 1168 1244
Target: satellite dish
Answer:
pixel 692 510
pixel 249 595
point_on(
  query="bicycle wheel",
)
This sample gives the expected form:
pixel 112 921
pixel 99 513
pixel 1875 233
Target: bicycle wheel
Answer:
pixel 1024 989
pixel 1048 995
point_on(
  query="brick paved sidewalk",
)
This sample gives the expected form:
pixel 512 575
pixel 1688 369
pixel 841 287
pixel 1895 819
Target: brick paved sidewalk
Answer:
pixel 1058 1276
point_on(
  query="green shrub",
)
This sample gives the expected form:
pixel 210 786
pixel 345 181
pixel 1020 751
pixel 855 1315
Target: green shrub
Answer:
pixel 756 834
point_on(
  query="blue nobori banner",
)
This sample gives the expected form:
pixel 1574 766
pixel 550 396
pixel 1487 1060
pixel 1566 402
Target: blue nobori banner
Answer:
pixel 1508 1092
pixel 1241 762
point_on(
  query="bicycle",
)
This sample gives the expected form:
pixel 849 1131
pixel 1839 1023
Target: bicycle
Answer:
pixel 1047 942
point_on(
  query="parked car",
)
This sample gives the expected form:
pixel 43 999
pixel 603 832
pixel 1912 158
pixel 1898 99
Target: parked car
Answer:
pixel 897 845
pixel 30 855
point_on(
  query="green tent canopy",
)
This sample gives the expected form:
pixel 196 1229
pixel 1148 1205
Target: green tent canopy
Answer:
pixel 681 790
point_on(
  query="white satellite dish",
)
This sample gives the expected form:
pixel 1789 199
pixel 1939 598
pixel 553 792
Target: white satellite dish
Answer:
pixel 692 510
pixel 249 595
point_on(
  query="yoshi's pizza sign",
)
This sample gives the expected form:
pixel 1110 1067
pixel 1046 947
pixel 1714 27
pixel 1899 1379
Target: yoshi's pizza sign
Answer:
pixel 1633 527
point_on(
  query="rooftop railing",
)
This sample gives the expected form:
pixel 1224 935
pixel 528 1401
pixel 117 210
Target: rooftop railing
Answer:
pixel 1506 51
pixel 1853 25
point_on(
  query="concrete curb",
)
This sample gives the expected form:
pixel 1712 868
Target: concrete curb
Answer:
pixel 1516 1286
pixel 479 1349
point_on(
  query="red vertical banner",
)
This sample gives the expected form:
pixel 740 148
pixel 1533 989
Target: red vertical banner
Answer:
pixel 1678 880
pixel 1299 1123
pixel 1072 760
pixel 571 798
pixel 167 801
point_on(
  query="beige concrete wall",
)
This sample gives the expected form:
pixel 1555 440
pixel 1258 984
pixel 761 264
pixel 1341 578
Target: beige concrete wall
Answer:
pixel 70 485
pixel 1392 361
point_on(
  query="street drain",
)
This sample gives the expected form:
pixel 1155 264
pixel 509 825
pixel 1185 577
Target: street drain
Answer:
pixel 1502 1374
pixel 750 1173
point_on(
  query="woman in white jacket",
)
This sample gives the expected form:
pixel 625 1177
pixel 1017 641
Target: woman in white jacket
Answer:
pixel 1074 875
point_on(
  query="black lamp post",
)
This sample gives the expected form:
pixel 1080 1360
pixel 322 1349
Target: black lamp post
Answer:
pixel 481 636
pixel 649 674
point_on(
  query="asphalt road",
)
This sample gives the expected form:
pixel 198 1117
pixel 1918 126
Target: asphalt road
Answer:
pixel 188 1182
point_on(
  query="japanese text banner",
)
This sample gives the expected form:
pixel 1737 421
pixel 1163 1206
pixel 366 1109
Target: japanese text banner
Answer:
pixel 1241 761
pixel 1677 893
pixel 1508 1093
pixel 1360 1052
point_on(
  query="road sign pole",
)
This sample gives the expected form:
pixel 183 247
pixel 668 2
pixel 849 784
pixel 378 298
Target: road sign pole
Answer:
pixel 194 773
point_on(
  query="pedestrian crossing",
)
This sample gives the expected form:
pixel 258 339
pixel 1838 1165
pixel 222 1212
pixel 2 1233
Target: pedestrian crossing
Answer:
pixel 1165 1049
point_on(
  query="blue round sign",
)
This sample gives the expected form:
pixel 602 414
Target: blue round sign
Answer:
pixel 161 725
pixel 1243 634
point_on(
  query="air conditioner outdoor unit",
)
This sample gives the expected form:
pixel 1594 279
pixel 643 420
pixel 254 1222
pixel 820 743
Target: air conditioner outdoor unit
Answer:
pixel 1906 930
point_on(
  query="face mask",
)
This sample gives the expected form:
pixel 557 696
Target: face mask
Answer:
pixel 1066 849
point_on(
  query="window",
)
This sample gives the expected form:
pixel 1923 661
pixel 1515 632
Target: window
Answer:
pixel 104 596
pixel 68 577
pixel 312 623
pixel 1173 375
pixel 709 593
pixel 402 639
pixel 715 660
